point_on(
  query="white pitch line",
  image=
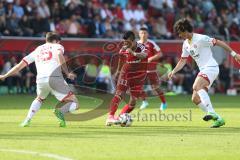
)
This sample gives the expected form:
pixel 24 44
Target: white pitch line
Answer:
pixel 49 155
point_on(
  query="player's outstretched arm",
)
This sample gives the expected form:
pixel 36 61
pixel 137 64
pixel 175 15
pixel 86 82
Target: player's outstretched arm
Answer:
pixel 181 63
pixel 119 67
pixel 120 64
pixel 228 49
pixel 141 55
pixel 14 70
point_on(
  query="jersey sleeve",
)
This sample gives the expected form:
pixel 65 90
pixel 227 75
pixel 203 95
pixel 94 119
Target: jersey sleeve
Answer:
pixel 156 48
pixel 208 41
pixel 29 58
pixel 185 53
pixel 60 47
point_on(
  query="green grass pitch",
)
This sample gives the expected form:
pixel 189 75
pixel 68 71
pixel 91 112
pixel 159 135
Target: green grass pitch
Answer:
pixel 178 139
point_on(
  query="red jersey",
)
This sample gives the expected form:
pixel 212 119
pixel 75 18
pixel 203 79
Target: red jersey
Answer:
pixel 133 63
pixel 152 49
pixel 133 72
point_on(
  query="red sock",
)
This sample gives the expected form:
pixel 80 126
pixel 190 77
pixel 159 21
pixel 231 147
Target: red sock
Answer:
pixel 130 109
pixel 162 97
pixel 114 105
pixel 127 109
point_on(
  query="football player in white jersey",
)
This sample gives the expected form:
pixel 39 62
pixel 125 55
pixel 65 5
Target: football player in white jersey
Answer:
pixel 50 63
pixel 198 47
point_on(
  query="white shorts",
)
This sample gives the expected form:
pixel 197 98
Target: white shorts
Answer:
pixel 56 86
pixel 209 73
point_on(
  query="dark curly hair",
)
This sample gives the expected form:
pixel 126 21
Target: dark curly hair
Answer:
pixel 183 25
pixel 129 35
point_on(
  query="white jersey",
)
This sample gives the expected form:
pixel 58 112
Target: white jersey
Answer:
pixel 200 50
pixel 46 61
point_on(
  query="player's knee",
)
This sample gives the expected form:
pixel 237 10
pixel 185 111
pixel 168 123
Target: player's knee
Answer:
pixel 155 87
pixel 195 98
pixel 159 91
pixel 132 102
pixel 119 94
pixel 195 87
pixel 198 87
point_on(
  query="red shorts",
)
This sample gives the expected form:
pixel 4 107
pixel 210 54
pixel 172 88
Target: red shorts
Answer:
pixel 132 81
pixel 153 78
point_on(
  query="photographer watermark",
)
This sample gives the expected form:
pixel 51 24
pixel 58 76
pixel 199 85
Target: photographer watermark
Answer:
pixel 85 87
pixel 161 116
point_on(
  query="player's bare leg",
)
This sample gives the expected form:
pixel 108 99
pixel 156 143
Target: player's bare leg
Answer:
pixel 202 99
pixel 154 81
pixel 35 106
pixel 70 104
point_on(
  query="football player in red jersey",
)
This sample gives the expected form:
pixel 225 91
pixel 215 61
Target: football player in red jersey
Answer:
pixel 153 55
pixel 131 75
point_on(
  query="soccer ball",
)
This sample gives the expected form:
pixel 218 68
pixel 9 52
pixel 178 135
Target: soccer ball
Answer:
pixel 125 120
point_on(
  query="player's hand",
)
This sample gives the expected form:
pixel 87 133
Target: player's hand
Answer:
pixel 149 60
pixel 129 50
pixel 71 76
pixel 237 58
pixel 124 47
pixel 2 77
pixel 141 55
pixel 170 75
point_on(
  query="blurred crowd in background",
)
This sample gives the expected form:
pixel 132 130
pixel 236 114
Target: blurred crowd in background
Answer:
pixel 109 18
pixel 99 74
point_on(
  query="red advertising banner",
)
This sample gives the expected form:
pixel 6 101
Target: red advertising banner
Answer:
pixel 90 46
pixel 94 46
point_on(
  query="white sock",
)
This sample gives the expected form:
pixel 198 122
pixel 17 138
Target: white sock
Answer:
pixel 68 107
pixel 205 100
pixel 145 101
pixel 202 107
pixel 73 107
pixel 35 106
